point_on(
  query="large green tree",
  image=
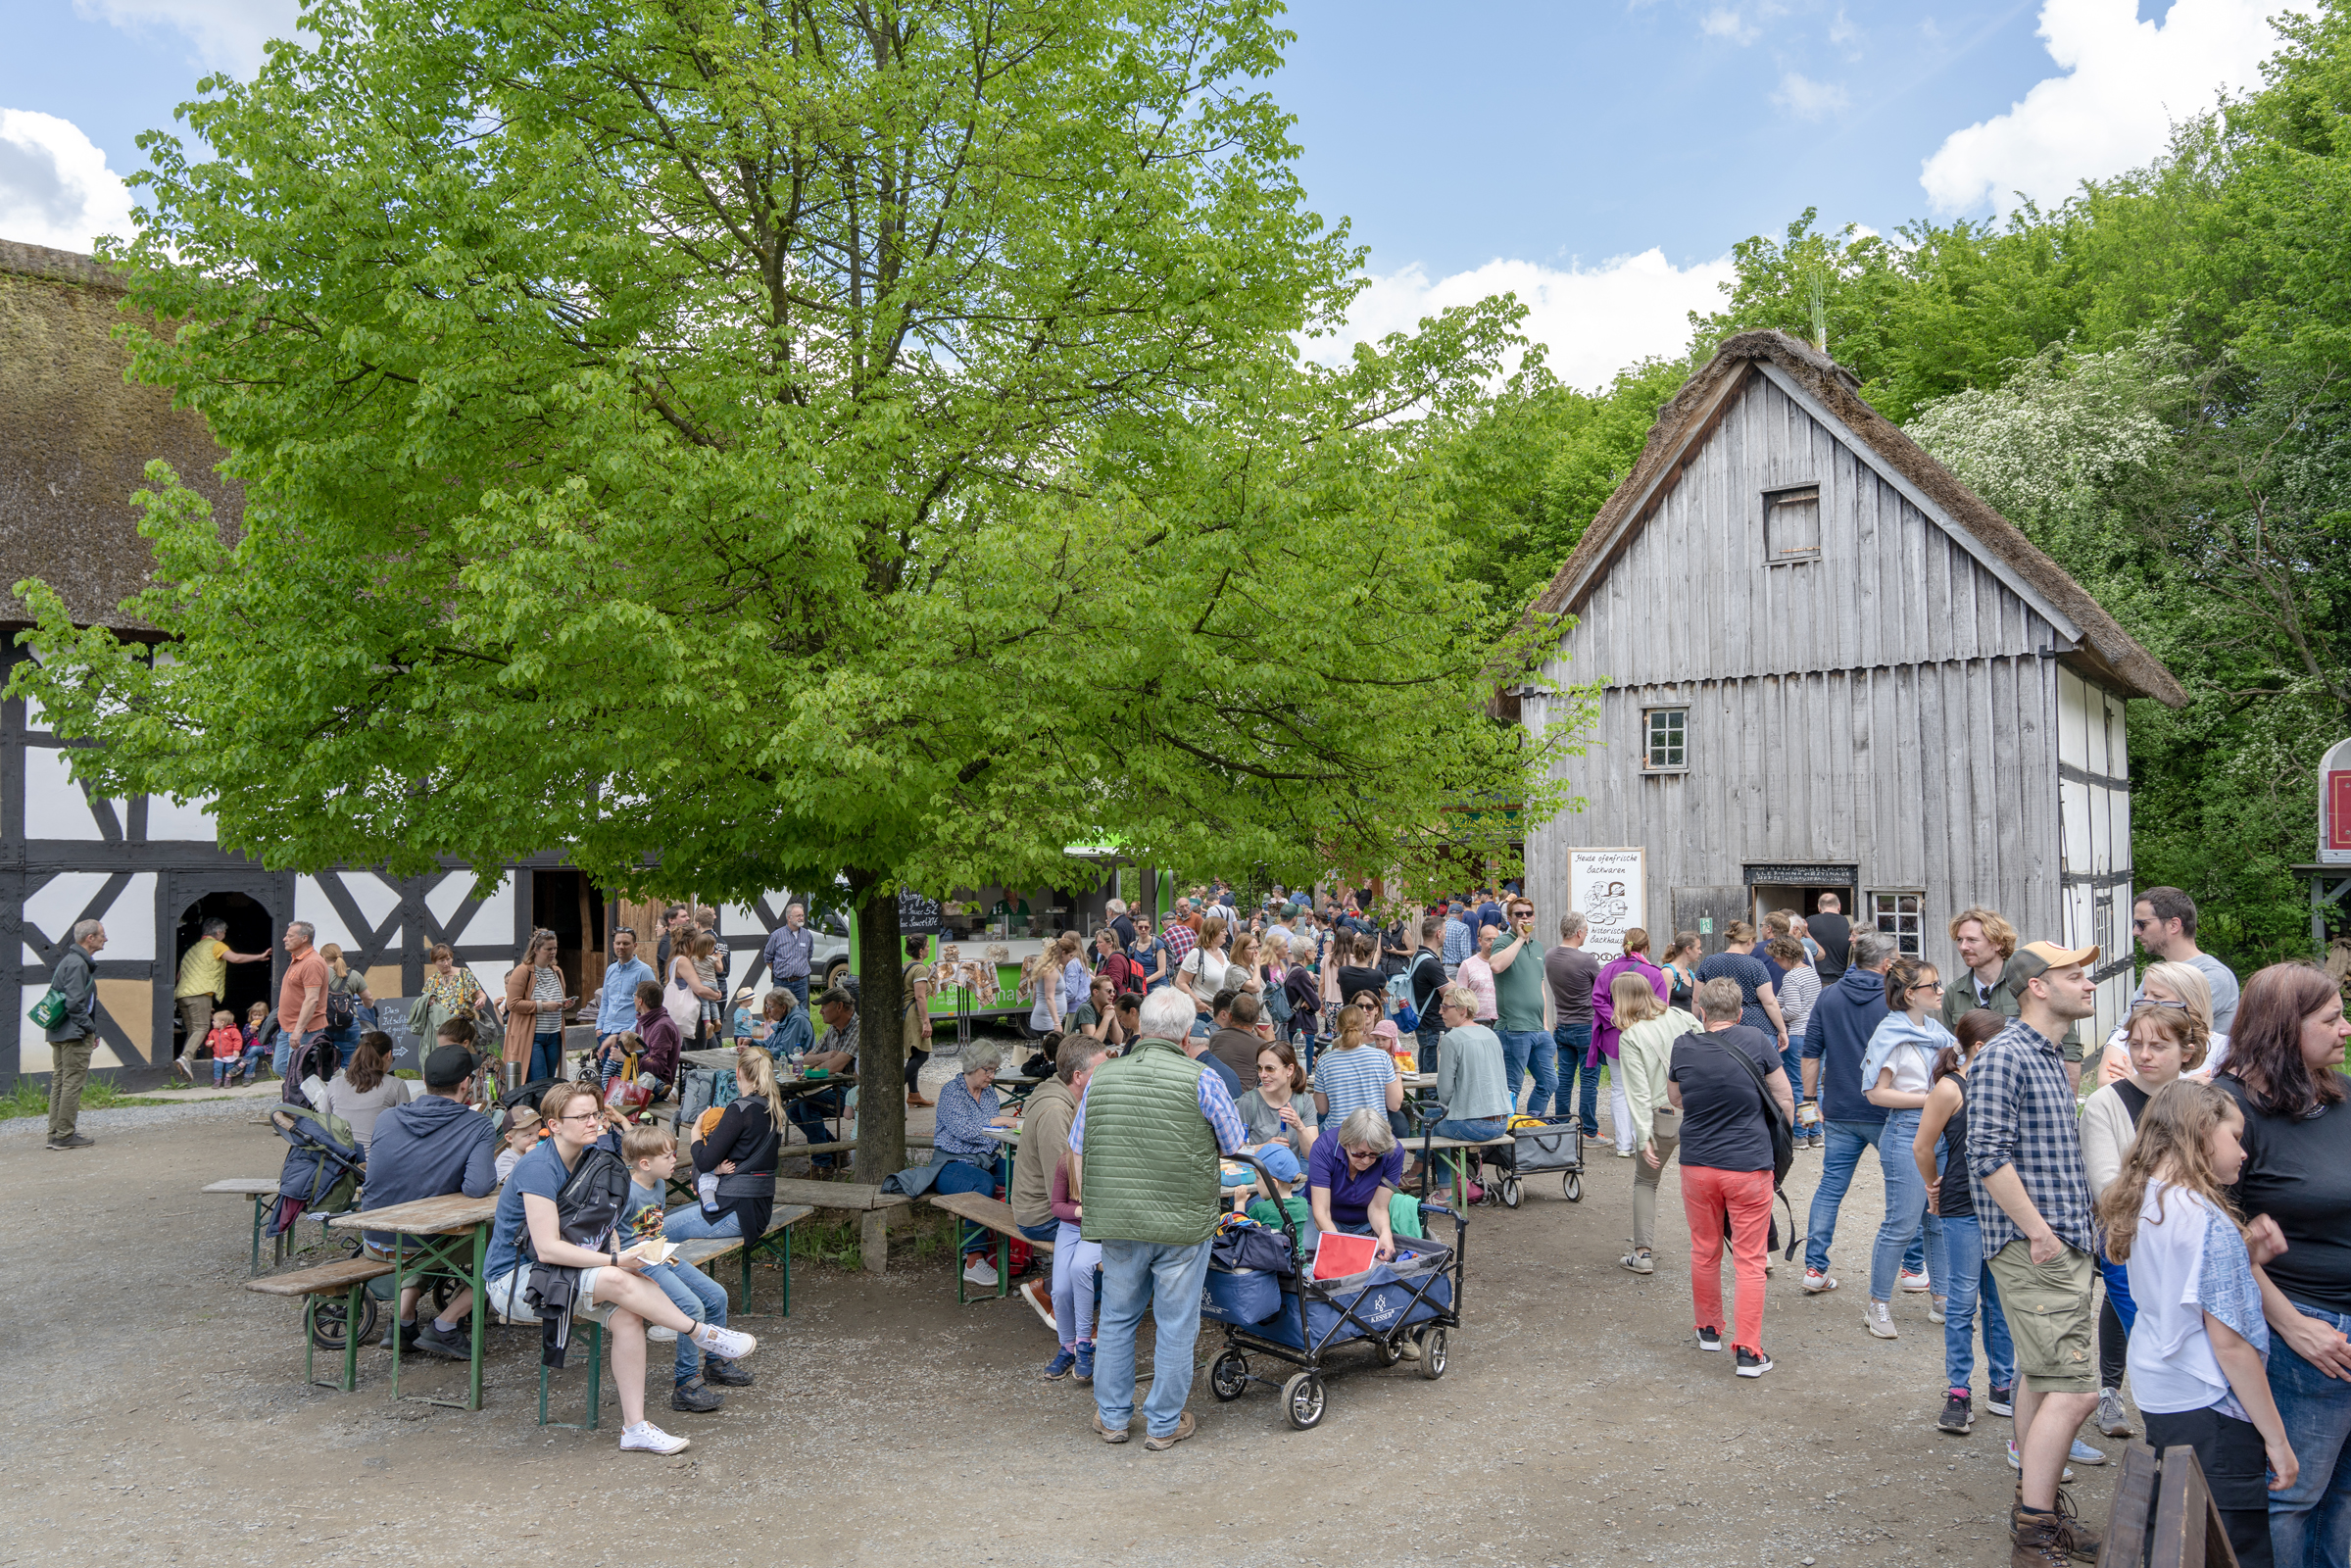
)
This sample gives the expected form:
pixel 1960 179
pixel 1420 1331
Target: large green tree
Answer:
pixel 745 442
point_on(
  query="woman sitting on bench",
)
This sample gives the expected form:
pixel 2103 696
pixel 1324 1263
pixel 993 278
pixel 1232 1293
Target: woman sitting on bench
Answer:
pixel 964 1154
pixel 741 1152
pixel 612 1288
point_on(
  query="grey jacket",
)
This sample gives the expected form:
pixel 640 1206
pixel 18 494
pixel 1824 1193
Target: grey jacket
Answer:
pixel 77 980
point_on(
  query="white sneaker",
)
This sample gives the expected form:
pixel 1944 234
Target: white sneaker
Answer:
pixel 732 1343
pixel 1817 1280
pixel 979 1272
pixel 1916 1282
pixel 646 1438
pixel 1934 1310
pixel 1879 1318
pixel 2015 1463
pixel 659 1334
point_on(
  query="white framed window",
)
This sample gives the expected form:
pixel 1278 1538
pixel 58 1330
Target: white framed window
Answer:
pixel 1792 525
pixel 1901 915
pixel 1665 740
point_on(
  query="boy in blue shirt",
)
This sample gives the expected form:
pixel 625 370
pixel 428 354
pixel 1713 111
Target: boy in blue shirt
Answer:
pixel 652 1155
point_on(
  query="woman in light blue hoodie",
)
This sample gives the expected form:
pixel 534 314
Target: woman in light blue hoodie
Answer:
pixel 1898 1071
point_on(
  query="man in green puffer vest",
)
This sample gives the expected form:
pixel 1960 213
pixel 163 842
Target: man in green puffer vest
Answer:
pixel 1143 1167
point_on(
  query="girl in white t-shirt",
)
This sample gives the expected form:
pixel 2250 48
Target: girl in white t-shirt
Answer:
pixel 1202 973
pixel 2199 1344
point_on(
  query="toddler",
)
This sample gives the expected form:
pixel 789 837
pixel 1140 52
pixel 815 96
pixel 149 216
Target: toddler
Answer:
pixel 652 1155
pixel 612 1058
pixel 261 1035
pixel 2199 1343
pixel 1267 1208
pixel 522 1135
pixel 227 1042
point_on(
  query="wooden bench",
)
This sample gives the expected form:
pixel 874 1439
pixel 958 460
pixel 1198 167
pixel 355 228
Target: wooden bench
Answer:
pixel 989 1213
pixel 2162 1515
pixel 857 1198
pixel 263 1190
pixel 344 1277
pixel 777 1241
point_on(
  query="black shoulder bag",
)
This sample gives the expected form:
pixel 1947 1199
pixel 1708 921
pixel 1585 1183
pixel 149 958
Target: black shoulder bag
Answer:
pixel 586 1210
pixel 1783 1149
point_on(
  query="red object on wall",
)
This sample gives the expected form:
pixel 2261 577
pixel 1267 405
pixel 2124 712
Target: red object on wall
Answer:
pixel 2338 808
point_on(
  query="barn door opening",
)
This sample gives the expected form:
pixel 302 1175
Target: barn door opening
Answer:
pixel 251 929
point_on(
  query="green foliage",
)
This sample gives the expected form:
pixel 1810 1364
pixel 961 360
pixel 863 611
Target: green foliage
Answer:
pixel 1523 478
pixel 746 443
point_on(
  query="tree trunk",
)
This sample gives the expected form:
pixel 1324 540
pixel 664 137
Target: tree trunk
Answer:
pixel 881 1062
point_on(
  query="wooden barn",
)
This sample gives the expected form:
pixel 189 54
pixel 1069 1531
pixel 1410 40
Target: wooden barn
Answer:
pixel 1826 665
pixel 74 442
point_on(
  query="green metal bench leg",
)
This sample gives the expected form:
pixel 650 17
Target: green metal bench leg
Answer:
pixel 1003 1265
pixel 257 1236
pixel 350 1335
pixel 594 1385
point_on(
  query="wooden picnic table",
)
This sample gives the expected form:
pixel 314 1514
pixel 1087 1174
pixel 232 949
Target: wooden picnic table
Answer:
pixel 262 1190
pixel 449 1235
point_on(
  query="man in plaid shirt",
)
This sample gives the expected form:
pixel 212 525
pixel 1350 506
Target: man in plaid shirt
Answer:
pixel 1181 936
pixel 2033 1200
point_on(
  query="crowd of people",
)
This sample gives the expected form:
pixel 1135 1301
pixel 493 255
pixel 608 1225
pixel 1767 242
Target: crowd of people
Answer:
pixel 2159 1211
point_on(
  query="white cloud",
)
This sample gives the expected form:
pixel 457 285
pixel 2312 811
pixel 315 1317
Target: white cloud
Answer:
pixel 1841 31
pixel 1723 21
pixel 226 34
pixel 1807 99
pixel 1595 320
pixel 55 188
pixel 2127 82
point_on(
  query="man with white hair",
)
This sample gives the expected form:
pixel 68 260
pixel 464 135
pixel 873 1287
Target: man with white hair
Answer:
pixel 1145 1147
pixel 1122 922
pixel 302 994
pixel 75 1034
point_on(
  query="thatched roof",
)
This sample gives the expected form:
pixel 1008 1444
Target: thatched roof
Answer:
pixel 75 439
pixel 2108 652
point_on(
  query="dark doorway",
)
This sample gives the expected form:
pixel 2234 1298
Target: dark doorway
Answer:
pixel 567 903
pixel 249 930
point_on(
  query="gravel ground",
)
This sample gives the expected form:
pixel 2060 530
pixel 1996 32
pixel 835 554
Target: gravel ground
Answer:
pixel 1577 1423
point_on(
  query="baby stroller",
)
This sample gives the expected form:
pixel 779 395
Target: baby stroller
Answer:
pixel 321 1175
pixel 1299 1321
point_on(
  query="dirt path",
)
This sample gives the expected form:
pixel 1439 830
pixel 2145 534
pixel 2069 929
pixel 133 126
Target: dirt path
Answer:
pixel 159 1417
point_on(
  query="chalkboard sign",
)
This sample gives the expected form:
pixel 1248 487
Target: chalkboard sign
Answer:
pixel 917 916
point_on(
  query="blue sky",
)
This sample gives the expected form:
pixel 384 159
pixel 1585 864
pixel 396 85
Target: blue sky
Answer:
pixel 1600 156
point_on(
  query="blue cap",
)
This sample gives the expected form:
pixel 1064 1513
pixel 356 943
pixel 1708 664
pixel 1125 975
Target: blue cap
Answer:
pixel 1279 1162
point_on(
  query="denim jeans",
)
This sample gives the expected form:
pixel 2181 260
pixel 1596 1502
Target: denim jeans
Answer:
pixel 959 1174
pixel 1168 1280
pixel 698 1296
pixel 1428 1034
pixel 1905 1204
pixel 807 1113
pixel 1074 1261
pixel 690 1224
pixel 1846 1140
pixel 1471 1129
pixel 282 1058
pixel 1967 1285
pixel 797 985
pixel 2310 1521
pixel 1792 1061
pixel 1531 1051
pixel 1573 1043
pixel 546 1057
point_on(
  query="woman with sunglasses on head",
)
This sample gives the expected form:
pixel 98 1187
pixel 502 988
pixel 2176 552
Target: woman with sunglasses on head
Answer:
pixel 2180 986
pixel 1897 1072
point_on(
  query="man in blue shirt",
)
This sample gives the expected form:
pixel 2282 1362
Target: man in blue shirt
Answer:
pixel 617 1003
pixel 791 948
pixel 1459 941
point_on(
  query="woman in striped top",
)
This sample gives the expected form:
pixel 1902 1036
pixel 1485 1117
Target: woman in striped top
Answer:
pixel 1355 1074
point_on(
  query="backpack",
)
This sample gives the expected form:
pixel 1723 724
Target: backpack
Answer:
pixel 1784 1146
pixel 342 1008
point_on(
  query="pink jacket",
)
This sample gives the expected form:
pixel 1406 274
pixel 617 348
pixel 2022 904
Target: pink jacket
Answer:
pixel 1605 1031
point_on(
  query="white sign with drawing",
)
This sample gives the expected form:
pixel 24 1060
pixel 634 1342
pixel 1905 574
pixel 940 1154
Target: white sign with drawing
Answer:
pixel 1609 888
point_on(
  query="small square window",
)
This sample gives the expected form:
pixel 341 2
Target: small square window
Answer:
pixel 1665 740
pixel 1792 525
pixel 1898 915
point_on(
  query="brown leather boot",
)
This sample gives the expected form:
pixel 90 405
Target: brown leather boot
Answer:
pixel 2065 1532
pixel 2033 1540
pixel 2079 1540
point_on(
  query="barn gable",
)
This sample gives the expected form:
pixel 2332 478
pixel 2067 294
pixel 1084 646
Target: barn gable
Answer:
pixel 1909 565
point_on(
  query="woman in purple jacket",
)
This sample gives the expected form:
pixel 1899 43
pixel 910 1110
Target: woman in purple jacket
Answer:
pixel 1605 1033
